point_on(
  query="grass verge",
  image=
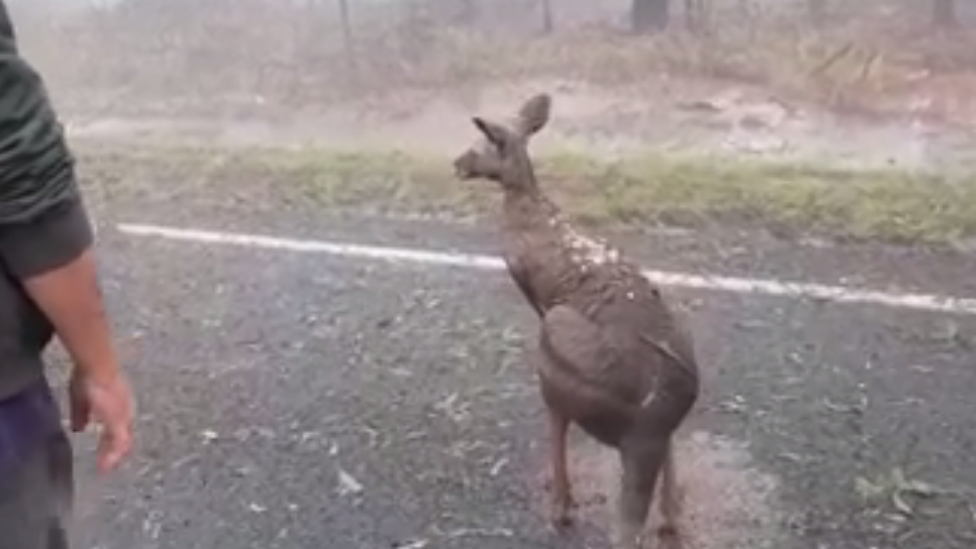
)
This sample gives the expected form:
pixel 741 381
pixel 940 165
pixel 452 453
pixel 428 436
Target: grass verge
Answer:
pixel 883 205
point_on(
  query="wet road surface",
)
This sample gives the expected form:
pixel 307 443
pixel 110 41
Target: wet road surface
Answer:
pixel 301 400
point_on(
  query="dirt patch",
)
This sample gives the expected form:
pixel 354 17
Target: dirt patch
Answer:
pixel 729 503
pixel 689 117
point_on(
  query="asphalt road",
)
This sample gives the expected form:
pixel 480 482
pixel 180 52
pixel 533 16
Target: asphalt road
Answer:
pixel 307 401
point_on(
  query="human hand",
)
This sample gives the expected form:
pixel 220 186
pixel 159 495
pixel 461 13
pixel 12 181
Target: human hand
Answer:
pixel 109 401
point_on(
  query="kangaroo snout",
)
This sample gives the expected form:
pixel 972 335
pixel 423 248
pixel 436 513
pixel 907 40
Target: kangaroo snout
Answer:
pixel 464 165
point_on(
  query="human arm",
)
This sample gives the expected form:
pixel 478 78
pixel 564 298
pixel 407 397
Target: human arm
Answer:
pixel 52 255
pixel 46 244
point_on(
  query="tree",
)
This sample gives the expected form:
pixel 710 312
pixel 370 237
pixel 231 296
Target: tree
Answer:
pixel 347 33
pixel 817 10
pixel 698 16
pixel 547 23
pixel 650 15
pixel 468 13
pixel 944 13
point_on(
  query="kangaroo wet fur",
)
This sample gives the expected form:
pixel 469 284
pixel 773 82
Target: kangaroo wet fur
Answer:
pixel 611 356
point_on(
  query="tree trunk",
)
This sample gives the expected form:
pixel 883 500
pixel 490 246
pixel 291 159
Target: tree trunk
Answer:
pixel 817 10
pixel 650 15
pixel 347 36
pixel 547 24
pixel 468 14
pixel 698 16
pixel 944 13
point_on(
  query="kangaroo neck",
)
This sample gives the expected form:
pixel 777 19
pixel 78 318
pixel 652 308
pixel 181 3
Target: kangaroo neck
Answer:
pixel 525 206
pixel 526 209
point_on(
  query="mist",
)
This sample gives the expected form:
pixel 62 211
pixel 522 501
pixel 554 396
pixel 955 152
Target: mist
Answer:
pixel 213 62
pixel 317 331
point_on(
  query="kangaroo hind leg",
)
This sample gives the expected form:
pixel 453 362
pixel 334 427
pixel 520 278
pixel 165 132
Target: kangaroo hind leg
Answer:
pixel 642 465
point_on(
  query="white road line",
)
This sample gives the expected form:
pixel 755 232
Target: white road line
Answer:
pixel 925 302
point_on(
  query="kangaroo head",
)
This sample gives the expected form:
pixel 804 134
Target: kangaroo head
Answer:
pixel 501 153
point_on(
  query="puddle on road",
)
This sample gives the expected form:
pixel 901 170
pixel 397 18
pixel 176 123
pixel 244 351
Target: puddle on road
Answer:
pixel 728 502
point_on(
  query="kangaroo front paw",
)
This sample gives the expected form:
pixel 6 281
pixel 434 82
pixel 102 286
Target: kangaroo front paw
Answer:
pixel 668 537
pixel 560 514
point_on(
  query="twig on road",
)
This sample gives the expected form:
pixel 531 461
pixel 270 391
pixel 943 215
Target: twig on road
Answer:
pixel 480 533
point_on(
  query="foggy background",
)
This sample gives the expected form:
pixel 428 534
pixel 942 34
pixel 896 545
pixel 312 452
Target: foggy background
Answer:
pixel 815 418
pixel 866 83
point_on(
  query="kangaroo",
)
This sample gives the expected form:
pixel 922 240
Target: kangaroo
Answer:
pixel 611 357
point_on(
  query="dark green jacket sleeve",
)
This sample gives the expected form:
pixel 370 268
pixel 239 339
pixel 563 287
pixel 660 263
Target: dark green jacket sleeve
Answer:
pixel 36 166
pixel 50 241
pixel 6 29
pixel 43 223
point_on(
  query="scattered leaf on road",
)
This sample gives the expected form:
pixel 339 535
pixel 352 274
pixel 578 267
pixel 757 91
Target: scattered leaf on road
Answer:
pixel 900 504
pixel 868 489
pixel 348 484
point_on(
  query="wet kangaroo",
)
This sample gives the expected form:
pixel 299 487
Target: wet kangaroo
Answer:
pixel 611 356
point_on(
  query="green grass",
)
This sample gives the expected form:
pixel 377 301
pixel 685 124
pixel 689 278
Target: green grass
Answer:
pixel 884 205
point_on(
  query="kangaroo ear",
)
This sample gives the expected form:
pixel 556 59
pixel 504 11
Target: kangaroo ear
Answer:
pixel 496 134
pixel 534 114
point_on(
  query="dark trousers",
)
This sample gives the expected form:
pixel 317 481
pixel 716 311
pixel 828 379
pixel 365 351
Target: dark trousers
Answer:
pixel 36 484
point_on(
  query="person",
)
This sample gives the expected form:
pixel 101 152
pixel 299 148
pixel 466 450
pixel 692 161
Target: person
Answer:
pixel 48 286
